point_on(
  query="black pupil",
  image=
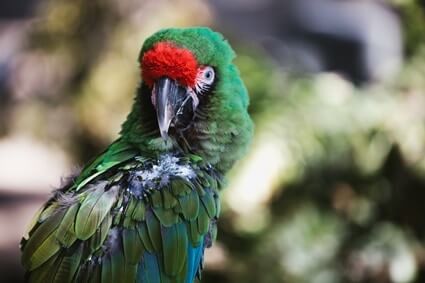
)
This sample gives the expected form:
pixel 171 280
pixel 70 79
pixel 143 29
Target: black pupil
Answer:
pixel 208 74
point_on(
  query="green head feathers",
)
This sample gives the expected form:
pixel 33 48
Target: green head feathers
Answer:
pixel 209 47
pixel 191 98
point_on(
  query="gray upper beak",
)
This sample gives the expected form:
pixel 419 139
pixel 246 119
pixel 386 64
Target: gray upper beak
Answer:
pixel 167 103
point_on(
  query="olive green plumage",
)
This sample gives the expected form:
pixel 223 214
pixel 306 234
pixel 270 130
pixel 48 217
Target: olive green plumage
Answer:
pixel 145 209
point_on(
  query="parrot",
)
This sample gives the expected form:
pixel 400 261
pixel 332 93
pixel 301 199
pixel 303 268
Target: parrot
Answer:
pixel 146 208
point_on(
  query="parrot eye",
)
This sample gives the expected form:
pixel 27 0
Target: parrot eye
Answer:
pixel 205 79
pixel 208 75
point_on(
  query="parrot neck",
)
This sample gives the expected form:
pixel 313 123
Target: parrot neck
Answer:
pixel 218 146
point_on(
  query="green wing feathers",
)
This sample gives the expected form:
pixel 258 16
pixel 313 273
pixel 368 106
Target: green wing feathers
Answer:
pixel 103 230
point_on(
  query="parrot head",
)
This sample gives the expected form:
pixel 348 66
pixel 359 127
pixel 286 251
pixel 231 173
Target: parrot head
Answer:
pixel 177 81
pixel 191 96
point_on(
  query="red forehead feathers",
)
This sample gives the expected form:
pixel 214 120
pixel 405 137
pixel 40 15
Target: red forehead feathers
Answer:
pixel 166 59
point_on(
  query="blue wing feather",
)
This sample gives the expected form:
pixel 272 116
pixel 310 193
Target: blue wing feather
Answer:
pixel 149 270
pixel 194 256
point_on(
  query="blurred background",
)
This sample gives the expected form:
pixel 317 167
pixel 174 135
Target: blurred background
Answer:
pixel 333 188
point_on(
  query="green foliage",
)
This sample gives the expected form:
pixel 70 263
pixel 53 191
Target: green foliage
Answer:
pixel 413 19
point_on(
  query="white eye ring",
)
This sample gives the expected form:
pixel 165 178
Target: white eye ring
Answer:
pixel 208 75
pixel 204 80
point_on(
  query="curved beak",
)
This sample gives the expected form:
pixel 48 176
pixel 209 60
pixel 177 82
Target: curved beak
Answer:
pixel 168 100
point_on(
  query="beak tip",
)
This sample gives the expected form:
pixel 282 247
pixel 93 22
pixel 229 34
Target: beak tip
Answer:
pixel 164 135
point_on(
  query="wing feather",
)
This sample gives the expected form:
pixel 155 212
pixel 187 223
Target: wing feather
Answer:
pixel 104 233
pixel 94 209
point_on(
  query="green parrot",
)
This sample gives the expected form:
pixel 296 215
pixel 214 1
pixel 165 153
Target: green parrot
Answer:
pixel 146 208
